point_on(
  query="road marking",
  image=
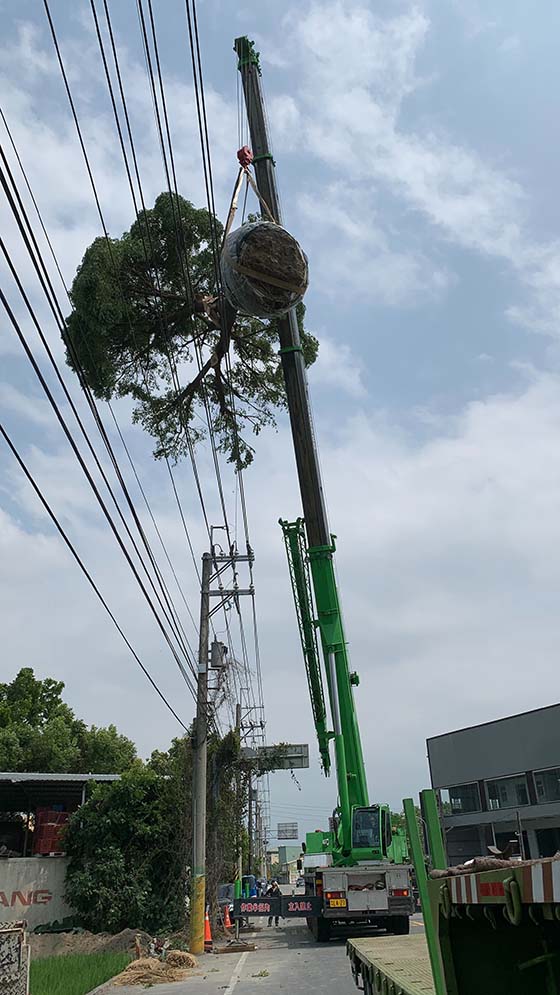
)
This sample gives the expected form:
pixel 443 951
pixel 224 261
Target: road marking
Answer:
pixel 236 973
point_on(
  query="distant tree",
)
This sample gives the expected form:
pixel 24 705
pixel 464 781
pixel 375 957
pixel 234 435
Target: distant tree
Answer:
pixel 145 305
pixel 39 732
pixel 106 751
pixel 31 702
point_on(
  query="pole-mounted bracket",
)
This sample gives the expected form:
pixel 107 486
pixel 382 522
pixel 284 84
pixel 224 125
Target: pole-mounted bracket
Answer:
pixel 265 155
pixel 246 53
pixel 289 348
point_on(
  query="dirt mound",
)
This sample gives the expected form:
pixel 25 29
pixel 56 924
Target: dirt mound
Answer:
pixel 151 971
pixel 84 942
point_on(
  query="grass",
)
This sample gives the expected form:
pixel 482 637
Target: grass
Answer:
pixel 75 974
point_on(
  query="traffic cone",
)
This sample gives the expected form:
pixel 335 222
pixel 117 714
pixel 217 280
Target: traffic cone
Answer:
pixel 227 921
pixel 207 934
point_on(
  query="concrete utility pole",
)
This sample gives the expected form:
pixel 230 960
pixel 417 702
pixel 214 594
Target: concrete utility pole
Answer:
pixel 311 488
pixel 250 825
pixel 198 904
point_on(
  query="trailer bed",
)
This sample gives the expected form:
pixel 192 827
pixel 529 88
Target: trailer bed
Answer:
pixel 402 960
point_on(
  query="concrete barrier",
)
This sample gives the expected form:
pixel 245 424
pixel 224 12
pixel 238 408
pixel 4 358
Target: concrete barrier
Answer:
pixel 32 888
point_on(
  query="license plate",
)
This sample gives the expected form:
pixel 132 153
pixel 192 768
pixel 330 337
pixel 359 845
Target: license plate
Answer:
pixel 337 903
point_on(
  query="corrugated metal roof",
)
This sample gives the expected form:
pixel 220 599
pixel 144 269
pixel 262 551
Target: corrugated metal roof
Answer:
pixel 14 777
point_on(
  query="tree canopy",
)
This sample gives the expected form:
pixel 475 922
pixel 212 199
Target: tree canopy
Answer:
pixel 147 324
pixel 39 732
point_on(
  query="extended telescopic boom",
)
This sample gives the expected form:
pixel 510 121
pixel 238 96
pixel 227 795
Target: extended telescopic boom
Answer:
pixel 320 543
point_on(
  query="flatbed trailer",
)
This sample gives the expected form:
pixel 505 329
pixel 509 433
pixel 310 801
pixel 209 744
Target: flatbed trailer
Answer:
pixel 491 926
pixel 391 965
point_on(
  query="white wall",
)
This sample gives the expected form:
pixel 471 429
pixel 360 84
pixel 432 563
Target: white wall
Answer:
pixel 32 888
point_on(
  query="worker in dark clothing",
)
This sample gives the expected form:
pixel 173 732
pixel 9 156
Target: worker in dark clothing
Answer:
pixel 274 892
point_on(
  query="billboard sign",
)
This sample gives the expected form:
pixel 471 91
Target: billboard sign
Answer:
pixel 287 831
pixel 284 756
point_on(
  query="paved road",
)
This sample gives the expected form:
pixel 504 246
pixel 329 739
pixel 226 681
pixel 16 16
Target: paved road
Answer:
pixel 287 961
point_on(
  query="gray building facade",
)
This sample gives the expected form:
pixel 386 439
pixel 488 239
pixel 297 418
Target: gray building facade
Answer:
pixel 498 779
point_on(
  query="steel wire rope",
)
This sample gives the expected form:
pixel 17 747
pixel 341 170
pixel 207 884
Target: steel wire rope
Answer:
pixel 149 68
pixel 162 316
pixel 57 48
pixel 185 270
pixel 86 391
pixel 84 569
pixel 207 165
pixel 79 132
pixel 203 131
pixel 68 433
pixel 141 194
pixel 23 223
pixel 87 473
pixel 162 143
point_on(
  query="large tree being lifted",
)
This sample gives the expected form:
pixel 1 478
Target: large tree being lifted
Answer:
pixel 146 323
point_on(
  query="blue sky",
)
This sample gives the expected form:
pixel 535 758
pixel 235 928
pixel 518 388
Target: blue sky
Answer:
pixel 417 160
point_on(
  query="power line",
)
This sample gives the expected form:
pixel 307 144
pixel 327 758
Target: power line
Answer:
pixel 185 271
pixel 78 128
pixel 91 481
pixel 89 397
pixel 32 247
pixel 84 569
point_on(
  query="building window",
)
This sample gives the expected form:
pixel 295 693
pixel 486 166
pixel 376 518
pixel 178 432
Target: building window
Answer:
pixel 547 783
pixel 508 792
pixel 460 798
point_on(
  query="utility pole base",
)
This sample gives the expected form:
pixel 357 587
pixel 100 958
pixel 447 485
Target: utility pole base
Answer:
pixel 196 944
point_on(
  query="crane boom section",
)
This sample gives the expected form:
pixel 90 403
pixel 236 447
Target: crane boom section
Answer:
pixel 296 551
pixel 327 617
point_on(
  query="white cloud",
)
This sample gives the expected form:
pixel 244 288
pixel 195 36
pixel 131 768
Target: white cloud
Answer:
pixel 354 254
pixel 447 566
pixel 283 110
pixel 33 409
pixel 337 367
pixel 447 549
pixel 510 45
pixel 353 122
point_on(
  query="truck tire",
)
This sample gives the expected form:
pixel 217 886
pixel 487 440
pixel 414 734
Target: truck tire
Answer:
pixel 321 930
pixel 399 925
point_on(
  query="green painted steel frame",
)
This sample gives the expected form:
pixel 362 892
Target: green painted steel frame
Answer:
pixel 294 537
pixel 351 775
pixel 430 922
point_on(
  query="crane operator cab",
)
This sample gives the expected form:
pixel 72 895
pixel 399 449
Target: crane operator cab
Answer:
pixel 371 833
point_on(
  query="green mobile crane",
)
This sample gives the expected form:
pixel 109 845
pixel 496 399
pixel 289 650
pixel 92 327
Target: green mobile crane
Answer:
pixel 358 866
pixel 360 831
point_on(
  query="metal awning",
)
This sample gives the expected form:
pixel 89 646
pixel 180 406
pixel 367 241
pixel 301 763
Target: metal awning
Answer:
pixel 24 792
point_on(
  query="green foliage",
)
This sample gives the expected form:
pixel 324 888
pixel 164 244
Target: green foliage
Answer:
pixel 106 751
pixel 39 732
pixel 397 820
pixel 145 305
pixel 128 859
pixel 75 973
pixel 130 845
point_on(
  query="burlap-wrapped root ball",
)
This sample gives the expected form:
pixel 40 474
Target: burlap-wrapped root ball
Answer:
pixel 264 270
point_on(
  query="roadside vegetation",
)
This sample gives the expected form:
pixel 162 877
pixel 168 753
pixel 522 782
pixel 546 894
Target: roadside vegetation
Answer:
pixel 75 973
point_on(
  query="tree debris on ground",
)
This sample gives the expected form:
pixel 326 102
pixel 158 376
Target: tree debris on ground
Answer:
pixel 152 971
pixel 84 942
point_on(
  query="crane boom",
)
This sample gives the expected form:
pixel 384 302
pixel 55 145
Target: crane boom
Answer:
pixel 296 551
pixel 362 832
